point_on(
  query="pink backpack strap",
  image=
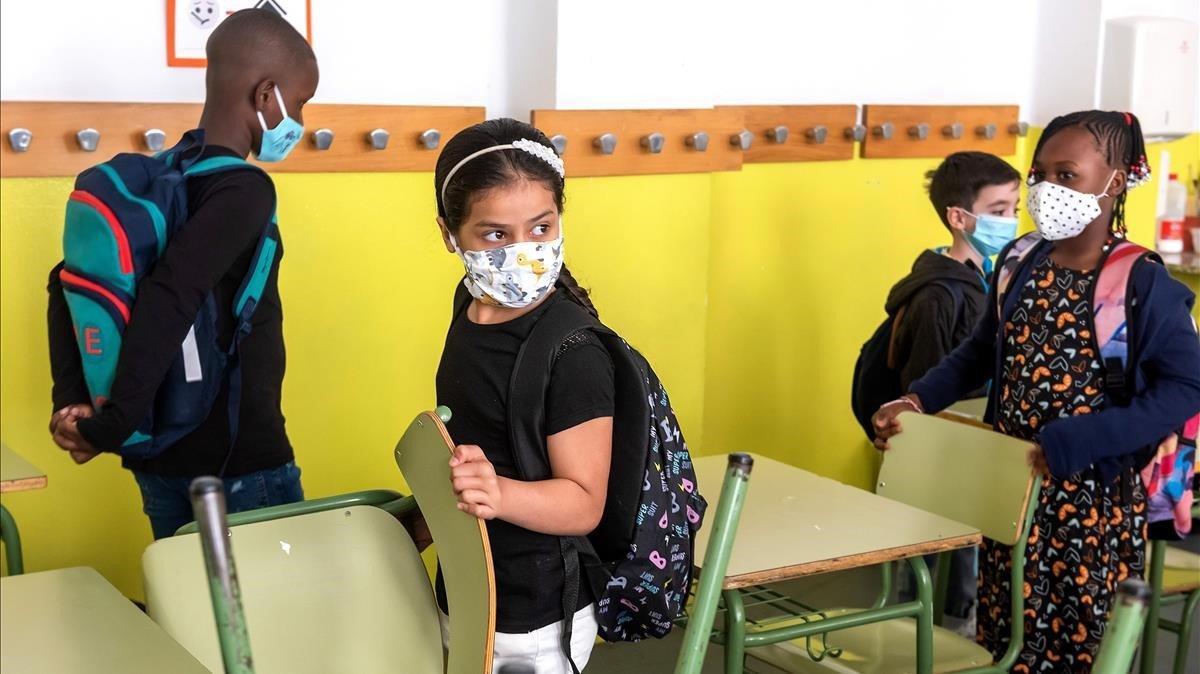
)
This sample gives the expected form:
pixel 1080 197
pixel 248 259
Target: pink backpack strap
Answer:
pixel 1109 305
pixel 1008 267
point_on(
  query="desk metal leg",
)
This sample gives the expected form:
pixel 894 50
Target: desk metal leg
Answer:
pixel 735 632
pixel 1185 632
pixel 1158 550
pixel 924 617
pixel 941 586
pixel 12 543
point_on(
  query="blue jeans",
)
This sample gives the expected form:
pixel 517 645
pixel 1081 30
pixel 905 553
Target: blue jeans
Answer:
pixel 166 502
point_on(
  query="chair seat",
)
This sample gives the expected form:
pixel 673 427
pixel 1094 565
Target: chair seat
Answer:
pixel 1181 571
pixel 888 647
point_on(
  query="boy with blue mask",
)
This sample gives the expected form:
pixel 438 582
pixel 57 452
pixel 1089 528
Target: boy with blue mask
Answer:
pixel 261 72
pixel 975 195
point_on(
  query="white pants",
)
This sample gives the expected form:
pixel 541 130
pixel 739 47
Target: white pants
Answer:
pixel 539 651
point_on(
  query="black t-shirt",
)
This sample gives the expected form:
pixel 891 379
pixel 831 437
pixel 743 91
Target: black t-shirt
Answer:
pixel 211 252
pixel 472 380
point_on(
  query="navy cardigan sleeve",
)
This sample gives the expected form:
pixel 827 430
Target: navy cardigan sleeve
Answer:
pixel 1167 353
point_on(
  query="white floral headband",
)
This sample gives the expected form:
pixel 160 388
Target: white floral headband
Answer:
pixel 546 154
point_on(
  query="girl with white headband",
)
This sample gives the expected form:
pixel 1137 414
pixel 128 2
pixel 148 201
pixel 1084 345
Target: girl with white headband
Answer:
pixel 499 189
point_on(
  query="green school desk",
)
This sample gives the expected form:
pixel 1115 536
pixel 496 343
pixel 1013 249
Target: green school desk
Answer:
pixel 794 524
pixel 16 474
pixel 73 620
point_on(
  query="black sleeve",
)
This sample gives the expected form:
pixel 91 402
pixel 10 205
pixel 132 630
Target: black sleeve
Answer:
pixel 227 223
pixel 582 385
pixel 926 333
pixel 66 367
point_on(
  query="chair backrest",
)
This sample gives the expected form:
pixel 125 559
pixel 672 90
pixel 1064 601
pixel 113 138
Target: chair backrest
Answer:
pixel 340 590
pixel 423 455
pixel 962 471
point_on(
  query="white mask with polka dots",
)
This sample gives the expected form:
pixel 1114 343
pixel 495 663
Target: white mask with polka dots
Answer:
pixel 1061 212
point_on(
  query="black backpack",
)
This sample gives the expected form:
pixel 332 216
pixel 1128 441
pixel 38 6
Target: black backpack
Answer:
pixel 876 377
pixel 638 561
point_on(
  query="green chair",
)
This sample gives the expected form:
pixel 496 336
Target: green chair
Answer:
pixel 720 547
pixel 954 468
pixel 1174 578
pixel 423 456
pixel 11 537
pixel 324 591
pixel 1125 622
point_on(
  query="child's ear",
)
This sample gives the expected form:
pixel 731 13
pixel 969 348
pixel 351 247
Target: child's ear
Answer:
pixel 956 218
pixel 445 234
pixel 264 97
pixel 1119 182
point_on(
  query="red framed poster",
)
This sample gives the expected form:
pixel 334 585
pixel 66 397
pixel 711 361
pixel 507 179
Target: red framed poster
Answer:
pixel 190 22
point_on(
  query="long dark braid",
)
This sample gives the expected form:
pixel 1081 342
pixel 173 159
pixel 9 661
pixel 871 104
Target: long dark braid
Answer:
pixel 496 169
pixel 575 291
pixel 1119 137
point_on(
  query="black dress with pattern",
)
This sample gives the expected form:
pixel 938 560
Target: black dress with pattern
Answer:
pixel 1087 536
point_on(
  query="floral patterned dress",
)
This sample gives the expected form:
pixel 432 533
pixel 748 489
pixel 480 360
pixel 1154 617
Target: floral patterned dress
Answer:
pixel 1087 535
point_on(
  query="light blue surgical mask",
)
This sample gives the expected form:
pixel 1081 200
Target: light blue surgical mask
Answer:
pixel 277 143
pixel 992 233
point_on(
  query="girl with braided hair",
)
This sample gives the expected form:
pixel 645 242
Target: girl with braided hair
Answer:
pixel 1094 424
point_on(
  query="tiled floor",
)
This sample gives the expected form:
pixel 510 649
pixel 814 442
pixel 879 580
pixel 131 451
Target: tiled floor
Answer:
pixel 852 588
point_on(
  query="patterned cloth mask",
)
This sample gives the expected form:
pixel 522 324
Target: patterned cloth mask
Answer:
pixel 1061 212
pixel 514 276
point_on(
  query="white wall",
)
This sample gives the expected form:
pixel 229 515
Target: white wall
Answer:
pixel 765 51
pixel 515 55
pixel 370 51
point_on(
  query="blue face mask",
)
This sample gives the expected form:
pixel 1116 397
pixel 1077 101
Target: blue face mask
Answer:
pixel 278 142
pixel 992 233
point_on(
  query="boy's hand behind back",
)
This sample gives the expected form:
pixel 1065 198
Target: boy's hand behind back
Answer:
pixel 65 431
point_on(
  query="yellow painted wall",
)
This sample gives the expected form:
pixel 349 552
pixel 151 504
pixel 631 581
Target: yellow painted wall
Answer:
pixel 749 291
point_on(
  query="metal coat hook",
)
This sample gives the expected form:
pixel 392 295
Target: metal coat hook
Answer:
pixel 817 134
pixel 19 139
pixel 559 142
pixel 1019 128
pixel 856 133
pixel 430 139
pixel 88 139
pixel 987 131
pixel 654 142
pixel 322 138
pixel 155 139
pixel 953 131
pixel 883 131
pixel 779 134
pixel 742 139
pixel 697 141
pixel 378 138
pixel 605 142
pixel 919 131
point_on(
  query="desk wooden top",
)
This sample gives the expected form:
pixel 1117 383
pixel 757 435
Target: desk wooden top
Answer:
pixel 795 523
pixel 17 474
pixel 73 620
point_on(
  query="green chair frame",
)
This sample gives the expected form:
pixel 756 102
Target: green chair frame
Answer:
pixel 11 536
pixel 1125 624
pixel 716 560
pixel 1154 622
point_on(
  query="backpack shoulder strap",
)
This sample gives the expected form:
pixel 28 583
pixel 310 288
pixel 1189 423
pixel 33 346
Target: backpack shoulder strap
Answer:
pixel 1112 312
pixel 530 379
pixel 1018 251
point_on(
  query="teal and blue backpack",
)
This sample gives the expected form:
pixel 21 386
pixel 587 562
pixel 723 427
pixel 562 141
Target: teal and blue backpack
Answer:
pixel 119 220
